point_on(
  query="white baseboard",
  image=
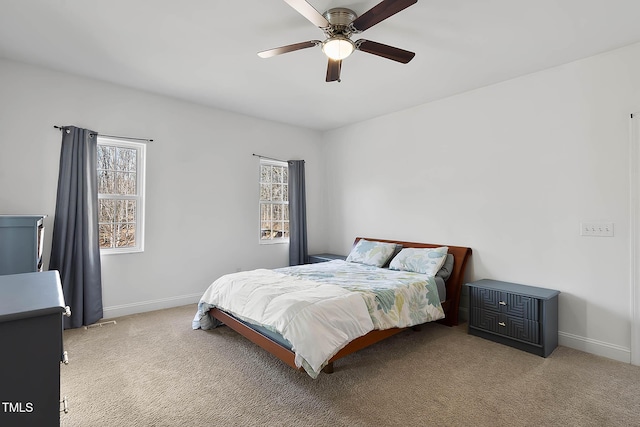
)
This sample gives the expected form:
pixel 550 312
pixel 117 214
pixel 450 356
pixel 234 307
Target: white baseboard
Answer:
pixel 599 348
pixel 143 306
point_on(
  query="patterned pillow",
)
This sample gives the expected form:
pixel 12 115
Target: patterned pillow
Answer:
pixel 420 260
pixel 371 253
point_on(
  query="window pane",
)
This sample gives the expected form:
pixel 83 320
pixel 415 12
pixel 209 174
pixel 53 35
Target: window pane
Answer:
pixel 265 212
pixel 117 170
pixel 117 223
pixel 107 182
pixel 265 173
pixel 132 235
pixel 103 182
pixel 119 183
pixel 120 210
pixel 118 236
pixel 277 212
pixel 105 235
pixel 265 192
pixel 131 211
pixel 125 159
pixel 285 192
pixel 125 183
pixel 277 174
pixel 276 192
pixel 106 210
pixel 129 183
pixel 106 157
pixel 265 221
pixel 125 235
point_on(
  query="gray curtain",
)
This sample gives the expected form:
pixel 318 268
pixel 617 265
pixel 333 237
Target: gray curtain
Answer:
pixel 75 251
pixel 297 214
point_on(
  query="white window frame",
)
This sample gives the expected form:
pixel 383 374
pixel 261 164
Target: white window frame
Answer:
pixel 273 240
pixel 141 157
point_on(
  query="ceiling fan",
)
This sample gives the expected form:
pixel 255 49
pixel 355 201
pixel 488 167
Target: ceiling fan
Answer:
pixel 338 24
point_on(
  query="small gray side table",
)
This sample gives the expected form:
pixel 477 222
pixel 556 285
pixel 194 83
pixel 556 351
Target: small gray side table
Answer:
pixel 524 317
pixel 324 258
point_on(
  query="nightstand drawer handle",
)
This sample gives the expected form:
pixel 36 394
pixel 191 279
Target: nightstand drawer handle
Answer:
pixel 502 303
pixel 502 324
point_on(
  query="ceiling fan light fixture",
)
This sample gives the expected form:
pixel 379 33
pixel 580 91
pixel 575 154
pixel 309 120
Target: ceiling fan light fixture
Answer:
pixel 338 47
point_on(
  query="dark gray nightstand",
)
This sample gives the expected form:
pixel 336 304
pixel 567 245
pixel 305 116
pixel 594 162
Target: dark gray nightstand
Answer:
pixel 324 258
pixel 524 317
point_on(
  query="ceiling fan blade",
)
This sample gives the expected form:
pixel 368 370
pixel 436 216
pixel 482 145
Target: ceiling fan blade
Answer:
pixel 379 13
pixel 386 51
pixel 333 70
pixel 289 48
pixel 308 11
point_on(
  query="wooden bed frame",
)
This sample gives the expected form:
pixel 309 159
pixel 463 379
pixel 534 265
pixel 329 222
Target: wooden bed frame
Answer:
pixel 451 305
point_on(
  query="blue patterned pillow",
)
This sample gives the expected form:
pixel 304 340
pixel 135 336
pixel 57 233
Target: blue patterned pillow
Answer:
pixel 420 260
pixel 371 253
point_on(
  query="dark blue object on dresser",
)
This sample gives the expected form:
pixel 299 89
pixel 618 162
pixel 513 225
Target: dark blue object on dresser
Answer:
pixel 524 317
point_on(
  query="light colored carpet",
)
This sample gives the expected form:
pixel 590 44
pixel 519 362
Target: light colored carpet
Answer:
pixel 152 369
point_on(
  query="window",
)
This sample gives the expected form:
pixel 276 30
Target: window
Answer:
pixel 274 201
pixel 120 195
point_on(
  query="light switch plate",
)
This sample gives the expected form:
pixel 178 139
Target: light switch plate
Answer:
pixel 598 229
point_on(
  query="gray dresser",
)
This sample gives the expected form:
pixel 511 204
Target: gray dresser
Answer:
pixel 31 310
pixel 524 317
pixel 21 241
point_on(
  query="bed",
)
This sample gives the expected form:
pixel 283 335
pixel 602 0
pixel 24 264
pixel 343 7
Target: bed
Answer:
pixel 309 316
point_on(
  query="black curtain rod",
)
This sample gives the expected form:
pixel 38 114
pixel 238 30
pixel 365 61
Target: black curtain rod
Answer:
pixel 112 136
pixel 269 158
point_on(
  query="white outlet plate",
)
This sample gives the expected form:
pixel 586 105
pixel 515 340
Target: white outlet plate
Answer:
pixel 598 229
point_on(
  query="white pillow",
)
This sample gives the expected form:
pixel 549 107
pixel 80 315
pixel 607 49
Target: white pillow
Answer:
pixel 420 260
pixel 371 253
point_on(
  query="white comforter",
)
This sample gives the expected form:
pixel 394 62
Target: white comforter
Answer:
pixel 318 319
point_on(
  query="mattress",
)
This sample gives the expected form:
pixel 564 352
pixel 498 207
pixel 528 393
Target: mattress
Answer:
pixel 321 307
pixel 282 341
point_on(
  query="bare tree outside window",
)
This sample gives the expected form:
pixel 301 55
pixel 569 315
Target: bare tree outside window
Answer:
pixel 120 188
pixel 274 201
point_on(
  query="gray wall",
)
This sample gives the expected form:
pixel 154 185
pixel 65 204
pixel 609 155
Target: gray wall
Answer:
pixel 510 170
pixel 202 180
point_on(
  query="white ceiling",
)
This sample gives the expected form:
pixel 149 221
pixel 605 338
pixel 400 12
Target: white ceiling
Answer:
pixel 205 50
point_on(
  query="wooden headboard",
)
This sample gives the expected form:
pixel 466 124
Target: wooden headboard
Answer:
pixel 461 255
